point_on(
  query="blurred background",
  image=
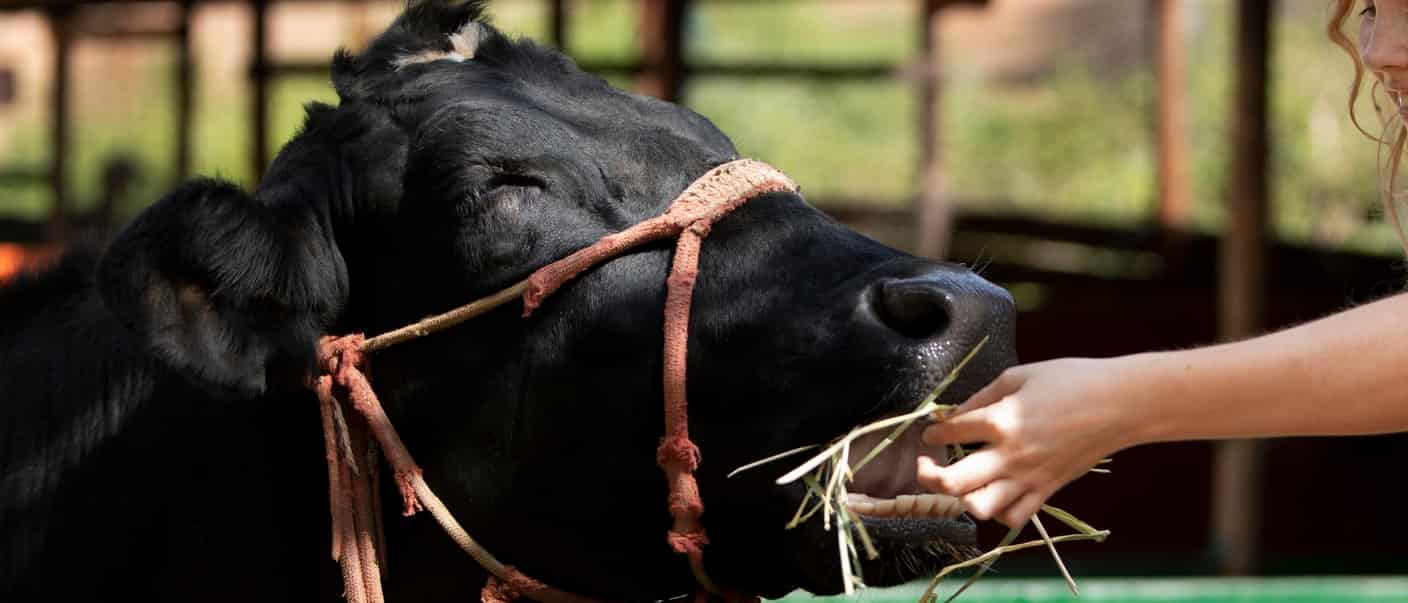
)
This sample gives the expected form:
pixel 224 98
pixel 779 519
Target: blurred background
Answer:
pixel 1141 174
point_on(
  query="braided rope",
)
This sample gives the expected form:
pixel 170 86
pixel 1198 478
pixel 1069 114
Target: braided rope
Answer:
pixel 358 539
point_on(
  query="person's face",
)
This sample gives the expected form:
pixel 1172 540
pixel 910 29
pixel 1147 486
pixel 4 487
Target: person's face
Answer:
pixel 1383 45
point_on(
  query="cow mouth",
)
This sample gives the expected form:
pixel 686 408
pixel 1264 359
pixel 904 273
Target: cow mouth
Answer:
pixel 893 506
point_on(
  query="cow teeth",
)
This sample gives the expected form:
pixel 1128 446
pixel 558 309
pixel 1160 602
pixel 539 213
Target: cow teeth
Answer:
pixel 861 503
pixel 911 506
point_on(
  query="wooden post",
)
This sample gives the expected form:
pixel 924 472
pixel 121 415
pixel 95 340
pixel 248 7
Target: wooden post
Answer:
pixel 935 217
pixel 61 28
pixel 259 93
pixel 1242 289
pixel 662 47
pixel 1172 70
pixel 557 23
pixel 185 84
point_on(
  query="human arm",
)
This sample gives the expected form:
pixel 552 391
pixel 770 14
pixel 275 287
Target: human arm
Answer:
pixel 1049 422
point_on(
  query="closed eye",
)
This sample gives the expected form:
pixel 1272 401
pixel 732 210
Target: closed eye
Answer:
pixel 516 180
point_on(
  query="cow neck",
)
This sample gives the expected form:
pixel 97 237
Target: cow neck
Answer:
pixel 352 439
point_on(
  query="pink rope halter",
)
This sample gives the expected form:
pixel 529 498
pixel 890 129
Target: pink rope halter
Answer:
pixel 351 454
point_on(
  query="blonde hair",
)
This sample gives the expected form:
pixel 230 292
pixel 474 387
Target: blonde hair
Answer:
pixel 1392 140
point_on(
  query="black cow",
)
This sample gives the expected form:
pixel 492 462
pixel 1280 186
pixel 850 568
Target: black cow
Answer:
pixel 158 441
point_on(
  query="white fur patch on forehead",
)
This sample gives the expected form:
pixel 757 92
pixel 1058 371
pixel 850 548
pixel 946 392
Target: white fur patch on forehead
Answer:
pixel 463 45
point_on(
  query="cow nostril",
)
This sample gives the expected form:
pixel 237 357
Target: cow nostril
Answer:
pixel 913 308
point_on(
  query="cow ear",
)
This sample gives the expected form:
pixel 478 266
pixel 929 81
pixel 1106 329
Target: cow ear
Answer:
pixel 229 291
pixel 428 31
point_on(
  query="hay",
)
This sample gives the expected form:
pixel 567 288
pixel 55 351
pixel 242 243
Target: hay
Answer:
pixel 827 473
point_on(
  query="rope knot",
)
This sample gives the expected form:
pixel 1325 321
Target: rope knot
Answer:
pixel 678 451
pixel 339 356
pixel 701 228
pixel 688 543
pixel 686 505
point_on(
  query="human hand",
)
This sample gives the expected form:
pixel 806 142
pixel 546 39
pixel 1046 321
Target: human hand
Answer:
pixel 1043 424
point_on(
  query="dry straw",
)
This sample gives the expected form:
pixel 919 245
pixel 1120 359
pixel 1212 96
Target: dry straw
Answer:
pixel 827 473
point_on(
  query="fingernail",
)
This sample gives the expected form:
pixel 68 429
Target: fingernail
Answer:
pixel 925 464
pixel 930 435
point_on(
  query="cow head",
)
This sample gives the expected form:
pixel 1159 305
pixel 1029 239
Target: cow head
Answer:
pixel 456 163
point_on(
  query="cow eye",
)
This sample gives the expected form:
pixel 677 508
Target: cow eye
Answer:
pixel 515 180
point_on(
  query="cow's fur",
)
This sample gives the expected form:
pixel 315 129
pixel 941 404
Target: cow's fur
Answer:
pixel 158 442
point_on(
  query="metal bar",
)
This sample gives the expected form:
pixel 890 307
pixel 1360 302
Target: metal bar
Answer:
pixel 7 86
pixel 127 34
pixel 662 45
pixel 1242 284
pixel 733 70
pixel 259 93
pixel 18 5
pixel 557 23
pixel 761 70
pixel 935 216
pixel 1172 71
pixel 967 222
pixel 295 69
pixel 23 231
pixel 24 176
pixel 185 83
pixel 21 5
pixel 60 19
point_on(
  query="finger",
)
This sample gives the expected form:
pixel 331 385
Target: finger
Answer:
pixel 1019 513
pixel 988 501
pixel 972 472
pixel 975 426
pixel 1006 383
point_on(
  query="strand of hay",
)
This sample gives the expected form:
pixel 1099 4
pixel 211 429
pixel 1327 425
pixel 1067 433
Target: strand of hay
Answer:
pixel 827 473
pixel 986 558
